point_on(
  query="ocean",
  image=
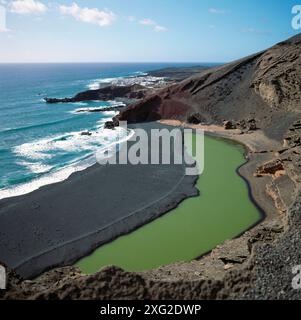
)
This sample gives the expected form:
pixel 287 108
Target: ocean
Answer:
pixel 42 143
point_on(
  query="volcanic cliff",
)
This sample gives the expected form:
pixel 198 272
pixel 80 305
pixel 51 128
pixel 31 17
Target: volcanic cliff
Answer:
pixel 265 86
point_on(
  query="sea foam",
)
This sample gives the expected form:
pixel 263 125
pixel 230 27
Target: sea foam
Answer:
pixel 141 79
pixel 38 150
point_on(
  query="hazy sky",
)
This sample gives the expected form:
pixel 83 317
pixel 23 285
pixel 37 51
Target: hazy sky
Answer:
pixel 140 30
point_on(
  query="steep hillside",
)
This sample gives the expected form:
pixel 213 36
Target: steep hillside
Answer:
pixel 265 86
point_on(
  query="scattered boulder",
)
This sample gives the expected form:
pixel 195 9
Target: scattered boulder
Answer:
pixel 247 125
pixel 113 123
pixel 86 133
pixel 228 125
pixel 252 125
pixel 109 125
pixel 293 136
pixel 116 121
pixel 57 100
pixel 274 167
pixel 195 118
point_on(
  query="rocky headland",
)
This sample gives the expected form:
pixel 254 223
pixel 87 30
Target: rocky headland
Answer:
pixel 133 88
pixel 107 93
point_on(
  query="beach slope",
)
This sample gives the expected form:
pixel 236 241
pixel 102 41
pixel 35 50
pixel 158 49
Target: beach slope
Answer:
pixel 60 223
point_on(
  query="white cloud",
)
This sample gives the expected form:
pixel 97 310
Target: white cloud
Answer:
pixel 148 22
pixel 27 7
pixel 3 19
pixel 160 29
pixel 94 16
pixel 218 11
pixel 4 30
pixel 131 19
pixel 151 23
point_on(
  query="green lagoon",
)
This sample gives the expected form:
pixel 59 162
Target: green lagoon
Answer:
pixel 222 211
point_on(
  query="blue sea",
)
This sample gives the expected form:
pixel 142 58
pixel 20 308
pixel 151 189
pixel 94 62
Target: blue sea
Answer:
pixel 42 143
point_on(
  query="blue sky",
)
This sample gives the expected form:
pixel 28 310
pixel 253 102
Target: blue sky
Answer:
pixel 141 30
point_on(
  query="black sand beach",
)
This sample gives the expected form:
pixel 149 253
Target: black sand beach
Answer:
pixel 60 223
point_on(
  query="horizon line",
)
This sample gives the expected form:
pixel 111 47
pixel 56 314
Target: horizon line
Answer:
pixel 112 62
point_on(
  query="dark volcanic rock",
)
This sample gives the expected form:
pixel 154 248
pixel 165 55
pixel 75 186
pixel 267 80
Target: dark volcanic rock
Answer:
pixel 247 125
pixel 266 84
pixel 293 135
pixel 112 124
pixel 270 168
pixel 86 133
pixel 177 73
pixel 104 94
pixel 228 125
pixel 252 125
pixel 195 118
pixel 109 125
pixel 58 100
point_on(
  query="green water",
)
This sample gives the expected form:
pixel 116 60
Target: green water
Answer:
pixel 222 211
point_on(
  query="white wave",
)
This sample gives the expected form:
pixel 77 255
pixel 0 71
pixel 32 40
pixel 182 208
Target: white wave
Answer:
pixel 111 113
pixel 109 138
pixel 114 103
pixel 35 184
pixel 34 151
pixel 72 142
pixel 95 109
pixel 88 109
pixel 35 167
pixel 140 73
pixel 94 85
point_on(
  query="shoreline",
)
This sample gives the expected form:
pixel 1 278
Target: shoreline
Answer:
pixel 117 104
pixel 47 212
pixel 201 271
pixel 252 155
pixel 57 176
pixel 208 263
pixel 170 201
pixel 102 256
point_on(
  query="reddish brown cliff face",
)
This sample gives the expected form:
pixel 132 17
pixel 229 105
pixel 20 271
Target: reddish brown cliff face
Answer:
pixel 153 108
pixel 265 86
